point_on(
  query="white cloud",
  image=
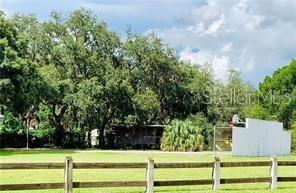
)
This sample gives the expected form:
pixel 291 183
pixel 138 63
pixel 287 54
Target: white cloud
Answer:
pixel 227 47
pixel 201 57
pixel 219 63
pixel 255 37
pixel 221 67
pixel 214 27
pixel 207 20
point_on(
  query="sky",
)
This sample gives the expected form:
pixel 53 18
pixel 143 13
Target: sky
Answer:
pixel 254 37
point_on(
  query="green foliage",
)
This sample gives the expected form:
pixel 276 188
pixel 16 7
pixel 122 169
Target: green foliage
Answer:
pixel 277 96
pixel 257 111
pixel 20 85
pixel 147 106
pixel 187 135
pixel 45 127
pixel 230 98
pixel 87 78
pixel 11 125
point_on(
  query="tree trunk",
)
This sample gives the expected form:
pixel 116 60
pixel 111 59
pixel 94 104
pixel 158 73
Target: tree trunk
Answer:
pixel 102 127
pixel 59 135
pixel 88 138
pixel 57 120
pixel 102 137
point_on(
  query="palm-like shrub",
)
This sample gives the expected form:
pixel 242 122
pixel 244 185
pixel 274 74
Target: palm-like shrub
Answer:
pixel 186 135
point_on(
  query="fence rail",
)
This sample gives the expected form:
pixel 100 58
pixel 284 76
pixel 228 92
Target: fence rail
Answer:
pixel 86 165
pixel 150 166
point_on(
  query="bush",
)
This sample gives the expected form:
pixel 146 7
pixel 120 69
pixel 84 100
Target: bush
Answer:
pixel 43 135
pixel 191 134
pixel 11 125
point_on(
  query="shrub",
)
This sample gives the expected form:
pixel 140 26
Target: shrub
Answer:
pixel 190 134
pixel 44 133
pixel 11 125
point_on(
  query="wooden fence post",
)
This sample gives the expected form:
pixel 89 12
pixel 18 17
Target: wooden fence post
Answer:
pixel 150 175
pixel 274 172
pixel 216 173
pixel 68 175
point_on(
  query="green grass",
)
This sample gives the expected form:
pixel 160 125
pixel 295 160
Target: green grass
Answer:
pixel 36 176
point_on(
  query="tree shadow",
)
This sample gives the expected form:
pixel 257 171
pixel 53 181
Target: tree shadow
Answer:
pixel 11 152
pixel 184 189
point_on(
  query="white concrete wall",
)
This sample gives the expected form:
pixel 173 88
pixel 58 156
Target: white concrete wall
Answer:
pixel 260 138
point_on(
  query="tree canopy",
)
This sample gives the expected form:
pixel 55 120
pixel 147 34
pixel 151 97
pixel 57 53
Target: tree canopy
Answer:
pixel 72 74
pixel 277 96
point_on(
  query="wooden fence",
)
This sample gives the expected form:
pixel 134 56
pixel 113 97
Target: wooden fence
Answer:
pixel 150 166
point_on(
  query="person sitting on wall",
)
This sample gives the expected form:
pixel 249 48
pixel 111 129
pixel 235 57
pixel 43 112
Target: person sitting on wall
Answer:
pixel 236 122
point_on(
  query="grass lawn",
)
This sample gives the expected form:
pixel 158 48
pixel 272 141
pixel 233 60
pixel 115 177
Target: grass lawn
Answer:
pixel 36 176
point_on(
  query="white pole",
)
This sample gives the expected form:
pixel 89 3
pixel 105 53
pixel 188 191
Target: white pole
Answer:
pixel 150 175
pixel 68 175
pixel 216 173
pixel 274 172
pixel 27 137
pixel 214 141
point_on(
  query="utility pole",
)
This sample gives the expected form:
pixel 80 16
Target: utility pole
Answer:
pixel 27 126
pixel 27 137
pixel 1 116
pixel 214 141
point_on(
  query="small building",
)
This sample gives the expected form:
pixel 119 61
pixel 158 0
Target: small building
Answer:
pixel 137 136
pixel 145 136
pixel 261 138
